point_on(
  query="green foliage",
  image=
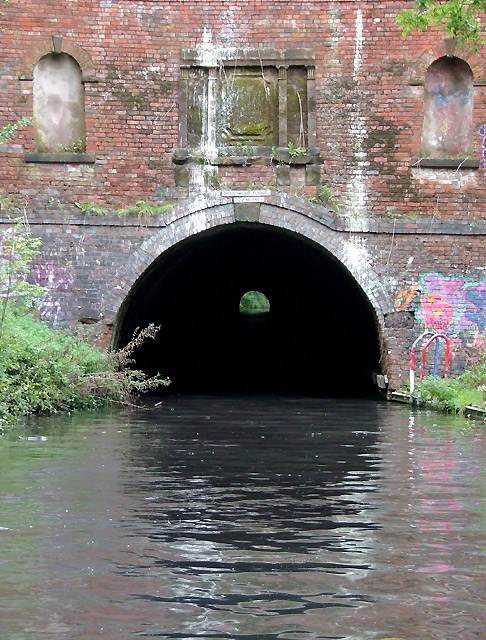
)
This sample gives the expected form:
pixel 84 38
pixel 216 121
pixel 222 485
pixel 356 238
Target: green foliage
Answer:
pixel 90 207
pixel 460 19
pixel 140 208
pixel 254 302
pixel 476 373
pixel 45 371
pixel 78 146
pixel 451 395
pixel 326 197
pixel 295 151
pixel 17 249
pixel 275 157
pixel 7 131
pixel 5 203
pixel 455 394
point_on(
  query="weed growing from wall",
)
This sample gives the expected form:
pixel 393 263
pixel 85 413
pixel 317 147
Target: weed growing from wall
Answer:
pixel 140 208
pixel 326 197
pixel 8 130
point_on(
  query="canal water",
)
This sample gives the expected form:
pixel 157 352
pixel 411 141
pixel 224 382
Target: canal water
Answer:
pixel 257 518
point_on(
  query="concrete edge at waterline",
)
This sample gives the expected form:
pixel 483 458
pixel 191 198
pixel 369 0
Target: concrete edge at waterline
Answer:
pixel 469 412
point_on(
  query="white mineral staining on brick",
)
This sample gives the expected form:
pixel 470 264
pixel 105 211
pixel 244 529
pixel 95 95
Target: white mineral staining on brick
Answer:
pixel 357 192
pixel 334 25
pixel 202 174
pixel 228 35
pixel 358 48
pixel 356 257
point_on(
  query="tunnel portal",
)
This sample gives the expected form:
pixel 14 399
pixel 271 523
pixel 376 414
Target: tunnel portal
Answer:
pixel 317 336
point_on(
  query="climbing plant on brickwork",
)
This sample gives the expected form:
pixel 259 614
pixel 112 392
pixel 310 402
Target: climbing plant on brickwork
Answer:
pixel 460 19
pixel 7 131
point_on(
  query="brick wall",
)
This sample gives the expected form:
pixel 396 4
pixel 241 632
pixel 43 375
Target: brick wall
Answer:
pixel 369 114
pixel 405 219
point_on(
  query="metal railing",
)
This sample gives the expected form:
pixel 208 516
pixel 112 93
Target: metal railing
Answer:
pixel 432 337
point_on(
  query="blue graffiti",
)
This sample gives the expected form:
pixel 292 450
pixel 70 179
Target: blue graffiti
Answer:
pixel 476 308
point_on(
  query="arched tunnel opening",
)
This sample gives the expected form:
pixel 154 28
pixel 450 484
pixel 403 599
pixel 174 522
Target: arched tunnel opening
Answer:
pixel 316 335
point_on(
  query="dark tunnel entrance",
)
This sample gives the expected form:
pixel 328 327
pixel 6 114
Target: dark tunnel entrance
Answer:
pixel 317 334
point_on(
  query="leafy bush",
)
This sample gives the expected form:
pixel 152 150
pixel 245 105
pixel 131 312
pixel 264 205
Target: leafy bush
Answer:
pixel 45 371
pixel 8 130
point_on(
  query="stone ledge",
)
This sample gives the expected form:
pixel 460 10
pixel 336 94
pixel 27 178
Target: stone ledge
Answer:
pixel 248 154
pixel 66 158
pixel 84 79
pixel 270 197
pixel 248 56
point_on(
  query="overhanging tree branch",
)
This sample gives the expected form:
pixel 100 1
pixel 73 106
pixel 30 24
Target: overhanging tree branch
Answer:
pixel 460 19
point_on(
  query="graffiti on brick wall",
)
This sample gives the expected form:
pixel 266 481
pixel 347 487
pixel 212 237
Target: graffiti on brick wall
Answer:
pixel 54 283
pixel 482 133
pixel 405 297
pixel 59 283
pixel 453 305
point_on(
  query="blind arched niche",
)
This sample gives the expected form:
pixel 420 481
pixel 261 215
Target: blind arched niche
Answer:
pixel 448 109
pixel 59 123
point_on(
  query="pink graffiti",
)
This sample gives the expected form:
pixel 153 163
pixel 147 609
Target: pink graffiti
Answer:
pixel 54 278
pixel 452 304
pixel 58 281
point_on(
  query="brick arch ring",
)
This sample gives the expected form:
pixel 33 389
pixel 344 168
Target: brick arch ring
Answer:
pixel 56 44
pixel 419 69
pixel 192 217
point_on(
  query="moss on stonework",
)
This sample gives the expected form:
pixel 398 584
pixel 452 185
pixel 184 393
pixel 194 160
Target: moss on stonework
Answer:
pixel 163 86
pixel 140 208
pixel 406 187
pixel 247 107
pixel 381 141
pixel 137 99
pixel 132 101
pixel 341 88
pixel 396 67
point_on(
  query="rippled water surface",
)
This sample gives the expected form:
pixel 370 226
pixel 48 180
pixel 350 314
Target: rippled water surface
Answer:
pixel 244 518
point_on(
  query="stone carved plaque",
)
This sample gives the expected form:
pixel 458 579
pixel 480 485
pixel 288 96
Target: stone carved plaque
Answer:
pixel 247 106
pixel 238 107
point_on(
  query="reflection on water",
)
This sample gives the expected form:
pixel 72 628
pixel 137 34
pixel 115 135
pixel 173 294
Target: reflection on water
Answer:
pixel 259 518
